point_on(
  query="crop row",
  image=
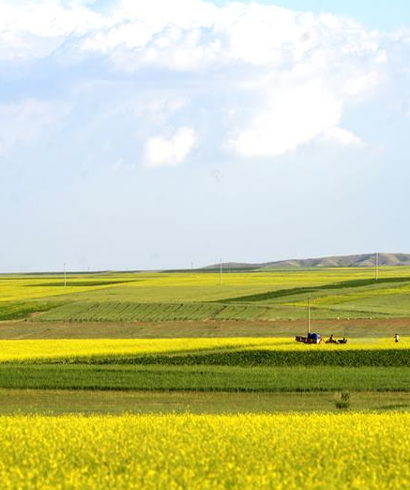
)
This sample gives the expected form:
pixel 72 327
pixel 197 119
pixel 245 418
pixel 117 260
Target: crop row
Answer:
pixel 149 312
pixel 261 357
pixel 288 379
pixel 120 311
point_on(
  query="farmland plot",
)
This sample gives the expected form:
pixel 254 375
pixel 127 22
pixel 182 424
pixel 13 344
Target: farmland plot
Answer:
pixel 206 452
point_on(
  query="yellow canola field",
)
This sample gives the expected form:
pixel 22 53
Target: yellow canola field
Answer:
pixel 13 350
pixel 206 452
pixel 25 350
pixel 34 288
pixel 162 287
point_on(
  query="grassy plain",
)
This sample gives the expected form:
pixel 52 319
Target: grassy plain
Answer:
pixel 292 451
pixel 153 297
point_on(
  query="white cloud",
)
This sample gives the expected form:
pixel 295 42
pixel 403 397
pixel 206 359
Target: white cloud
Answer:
pixel 342 137
pixel 35 28
pixel 294 115
pixel 264 80
pixel 188 14
pixel 161 151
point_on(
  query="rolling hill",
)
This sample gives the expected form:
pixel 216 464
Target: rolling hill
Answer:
pixel 359 260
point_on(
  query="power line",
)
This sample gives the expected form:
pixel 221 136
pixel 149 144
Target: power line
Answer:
pixel 376 272
pixel 220 272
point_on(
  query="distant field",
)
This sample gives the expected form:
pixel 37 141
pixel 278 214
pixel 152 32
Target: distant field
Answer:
pixel 91 348
pixel 234 337
pixel 351 328
pixel 340 293
pixel 29 287
pixel 157 312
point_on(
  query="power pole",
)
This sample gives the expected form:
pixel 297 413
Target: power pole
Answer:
pixel 65 275
pixel 220 272
pixel 376 272
pixel 308 315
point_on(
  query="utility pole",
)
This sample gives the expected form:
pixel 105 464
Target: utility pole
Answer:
pixel 309 315
pixel 220 272
pixel 376 272
pixel 65 275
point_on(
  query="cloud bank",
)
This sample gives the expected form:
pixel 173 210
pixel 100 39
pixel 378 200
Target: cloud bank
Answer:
pixel 249 81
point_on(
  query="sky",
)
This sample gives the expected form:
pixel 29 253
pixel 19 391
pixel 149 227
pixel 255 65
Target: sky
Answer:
pixel 159 135
pixel 374 14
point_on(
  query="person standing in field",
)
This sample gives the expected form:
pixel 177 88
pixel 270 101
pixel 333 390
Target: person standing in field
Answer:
pixel 396 337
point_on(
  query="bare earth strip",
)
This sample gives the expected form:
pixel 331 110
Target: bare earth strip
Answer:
pixel 55 402
pixel 279 328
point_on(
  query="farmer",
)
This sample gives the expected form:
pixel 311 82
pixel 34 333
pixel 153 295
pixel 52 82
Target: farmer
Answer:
pixel 396 338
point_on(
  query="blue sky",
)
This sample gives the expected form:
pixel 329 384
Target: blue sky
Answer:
pixel 138 135
pixel 376 14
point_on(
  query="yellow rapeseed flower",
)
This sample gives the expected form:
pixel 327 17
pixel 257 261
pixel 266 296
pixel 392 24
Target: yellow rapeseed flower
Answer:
pixel 162 452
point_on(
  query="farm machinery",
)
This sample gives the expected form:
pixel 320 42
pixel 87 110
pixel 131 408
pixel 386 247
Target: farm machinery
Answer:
pixel 315 338
pixel 312 338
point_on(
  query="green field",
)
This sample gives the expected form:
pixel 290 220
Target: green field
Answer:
pixel 339 293
pixel 206 365
pixel 205 378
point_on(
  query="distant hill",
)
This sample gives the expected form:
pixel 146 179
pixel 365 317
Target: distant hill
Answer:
pixel 360 260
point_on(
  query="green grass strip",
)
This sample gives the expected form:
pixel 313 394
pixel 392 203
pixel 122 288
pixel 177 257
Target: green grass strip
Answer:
pixel 254 357
pixel 204 378
pixel 19 310
pixel 280 293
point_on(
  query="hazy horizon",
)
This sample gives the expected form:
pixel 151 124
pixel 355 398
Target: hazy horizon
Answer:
pixel 226 263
